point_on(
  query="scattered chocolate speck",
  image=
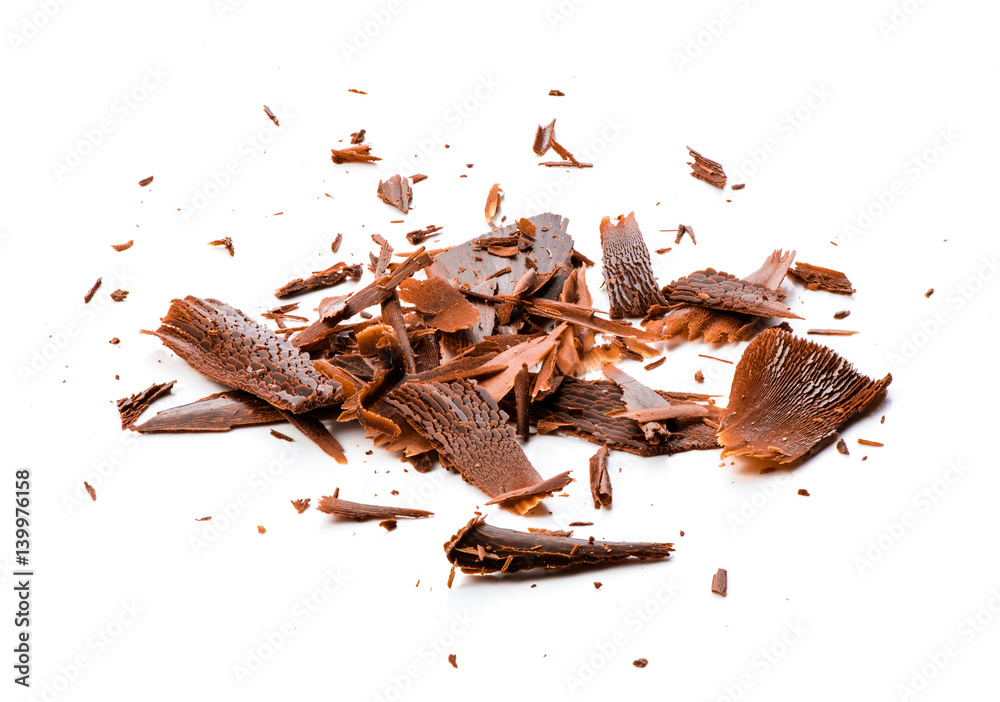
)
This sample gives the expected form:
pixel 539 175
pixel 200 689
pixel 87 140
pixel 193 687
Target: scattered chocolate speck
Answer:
pixel 115 340
pixel 557 93
pixel 597 585
pixel 261 530
pixel 90 490
pixel 739 186
pixel 453 659
pixel 866 442
pixel 640 662
pixel 145 181
pixel 203 519
pixel 271 116
pixel 842 447
pixel 301 505
pixel 929 292
pixel 123 247
pixel 90 293
pixel 803 492
pixel 227 242
pixel 843 314
pixel 279 435
pixel 119 295
pixel 699 377
pixel 388 524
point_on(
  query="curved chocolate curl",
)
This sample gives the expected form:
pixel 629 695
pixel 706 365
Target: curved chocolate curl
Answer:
pixel 790 395
pixel 481 549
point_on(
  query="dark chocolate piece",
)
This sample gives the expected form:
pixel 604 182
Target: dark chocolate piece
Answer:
pixel 223 344
pixel 656 364
pixel 271 116
pixel 334 275
pixel 521 400
pixel 543 138
pixel 396 192
pixel 119 295
pixel 227 242
pixel 453 659
pixel 131 407
pixel 279 435
pixel 816 278
pixel 556 93
pixel 739 186
pixel 842 447
pixel 707 170
pixel 790 395
pixel 600 480
pixel 145 181
pixel 929 292
pixel 481 549
pixel 220 412
pixel 683 229
pixel 442 306
pixel 628 270
pixel 361 512
pixel 720 582
pixel 90 293
pixel 699 377
pixel 359 153
pixel 358 137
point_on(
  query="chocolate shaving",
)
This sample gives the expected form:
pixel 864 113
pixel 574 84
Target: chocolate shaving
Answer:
pixel 826 279
pixel 123 247
pixel 509 551
pixel 543 138
pixel 131 407
pixel 722 291
pixel 628 270
pixel 843 314
pixel 842 447
pixel 866 442
pixel 279 435
pixel 521 399
pixel 358 137
pixel 335 246
pixel 832 332
pixel 227 242
pixel 221 343
pixel 790 395
pixel 493 201
pixel 707 170
pixel 929 292
pixel 739 186
pixel 720 582
pixel 441 305
pixel 301 505
pixel 359 153
pixel 271 116
pixel 90 293
pixel 119 295
pixel 556 93
pixel 600 480
pixel 90 491
pixel 418 236
pixel 544 489
pixel 803 492
pixel 656 364
pixel 145 181
pixel 640 662
pixel 683 229
pixel 317 432
pixel 334 275
pixel 396 192
pixel 361 512
pixel 220 412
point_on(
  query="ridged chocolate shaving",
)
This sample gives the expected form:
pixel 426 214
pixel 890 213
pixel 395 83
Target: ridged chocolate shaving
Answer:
pixel 223 344
pixel 628 270
pixel 790 395
pixel 219 412
pixel 317 432
pixel 540 491
pixel 360 153
pixel 706 169
pixel 334 275
pixel 134 405
pixel 396 192
pixel 543 138
pixel 600 480
pixel 360 512
pixel 826 279
pixel 481 549
pixel 443 307
pixel 471 434
pixel 722 291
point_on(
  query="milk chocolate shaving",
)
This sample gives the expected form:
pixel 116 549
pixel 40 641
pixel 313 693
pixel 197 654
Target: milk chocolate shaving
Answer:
pixel 90 293
pixel 683 229
pixel 707 170
pixel 471 435
pixel 220 412
pixel 842 447
pixel 271 116
pixel 396 192
pixel 493 201
pixel 790 395
pixel 832 332
pixel 134 405
pixel 123 247
pixel 221 343
pixel 417 236
pixel 279 435
pixel 334 275
pixel 842 314
pixel 481 549
pixel 360 153
pixel 656 364
pixel 119 295
pixel 145 181
pixel 866 442
pixel 543 138
pixel 722 291
pixel 90 491
pixel 442 307
pixel 600 480
pixel 521 400
pixel 358 137
pixel 361 512
pixel 335 246
pixel 301 505
pixel 226 242
pixel 720 582
pixel 628 271
pixel 317 432
pixel 826 279
pixel 540 491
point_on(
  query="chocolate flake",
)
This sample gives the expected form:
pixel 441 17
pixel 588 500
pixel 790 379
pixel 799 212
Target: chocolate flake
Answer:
pixel 722 360
pixel 720 582
pixel 359 153
pixel 453 659
pixel 360 512
pixel 493 201
pixel 707 170
pixel 556 93
pixel 699 377
pixel 358 137
pixel 220 412
pixel 335 246
pixel 301 505
pixel 843 314
pixel 396 192
pixel 790 395
pixel 628 270
pixel 826 279
pixel 123 247
pixel 683 229
pixel 640 662
pixel 317 432
pixel 722 291
pixel 656 364
pixel 509 551
pixel 261 530
pixel 119 295
pixel 271 116
pixel 866 442
pixel 842 447
pixel 115 340
pixel 131 407
pixel 441 305
pixel 739 186
pixel 90 293
pixel 145 181
pixel 334 275
pixel 803 492
pixel 90 491
pixel 279 435
pixel 929 292
pixel 600 480
pixel 417 236
pixel 227 242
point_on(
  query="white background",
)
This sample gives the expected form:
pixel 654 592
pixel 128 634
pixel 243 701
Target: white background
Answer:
pixel 641 82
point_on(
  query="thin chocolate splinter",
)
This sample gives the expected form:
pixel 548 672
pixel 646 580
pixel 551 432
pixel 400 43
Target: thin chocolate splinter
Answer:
pixel 360 512
pixel 131 407
pixel 600 480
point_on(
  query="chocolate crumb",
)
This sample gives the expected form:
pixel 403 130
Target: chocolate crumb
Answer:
pixel 803 492
pixel 699 377
pixel 557 93
pixel 842 447
pixel 359 92
pixel 843 314
pixel 358 137
pixel 90 490
pixel 388 524
pixel 279 435
pixel 203 519
pixel 597 585
pixel 115 340
pixel 261 530
pixel 929 292
pixel 335 246
pixel 271 116
pixel 145 181
pixel 866 442
pixel 656 364
pixel 739 186
pixel 640 662
pixel 453 659
pixel 301 505
pixel 720 582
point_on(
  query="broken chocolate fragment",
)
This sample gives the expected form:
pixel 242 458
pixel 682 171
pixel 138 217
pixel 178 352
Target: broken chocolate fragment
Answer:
pixel 334 275
pixel 220 412
pixel 842 447
pixel 261 530
pixel 543 138
pixel 556 93
pixel 816 278
pixel 722 291
pixel 699 377
pixel 790 395
pixel 279 435
pixel 145 181
pixel 707 170
pixel 131 407
pixel 90 293
pixel 358 137
pixel 271 116
pixel 481 549
pixel 318 433
pixel 640 662
pixel 683 229
pixel 417 236
pixel 335 246
pixel 656 364
pixel 453 659
pixel 396 192
pixel 493 201
pixel 739 186
pixel 123 247
pixel 843 314
pixel 359 153
pixel 803 492
pixel 119 295
pixel 90 491
pixel 227 242
pixel 223 344
pixel 441 305
pixel 628 270
pixel 929 292
pixel 600 480
pixel 301 505
pixel 360 512
pixel 831 332
pixel 720 582
pixel 866 442
pixel 115 340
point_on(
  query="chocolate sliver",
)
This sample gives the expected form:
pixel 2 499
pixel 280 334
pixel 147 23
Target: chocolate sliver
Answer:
pixel 773 271
pixel 706 169
pixel 818 278
pixel 677 410
pixel 334 275
pixel 131 407
pixel 520 499
pixel 396 192
pixel 543 138
pixel 600 479
pixel 481 549
pixel 317 432
pixel 580 316
pixel 527 353
pixel 443 307
pixel 219 412
pixel 628 270
pixel 470 433
pixel 360 153
pixel 789 395
pixel 360 512
pixel 493 202
pixel 719 290
pixel 223 344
